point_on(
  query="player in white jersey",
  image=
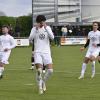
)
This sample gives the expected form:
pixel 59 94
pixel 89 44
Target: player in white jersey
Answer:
pixel 93 51
pixel 7 43
pixel 42 53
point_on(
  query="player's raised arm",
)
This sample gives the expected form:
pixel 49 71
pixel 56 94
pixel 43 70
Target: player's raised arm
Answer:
pixel 49 31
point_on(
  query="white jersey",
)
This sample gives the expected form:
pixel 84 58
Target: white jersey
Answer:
pixel 64 29
pixel 94 39
pixel 41 39
pixel 6 41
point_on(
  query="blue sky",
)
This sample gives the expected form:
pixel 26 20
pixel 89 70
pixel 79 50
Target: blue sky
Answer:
pixel 16 7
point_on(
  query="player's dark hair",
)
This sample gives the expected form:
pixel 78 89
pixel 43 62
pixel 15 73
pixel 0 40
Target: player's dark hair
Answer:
pixel 40 18
pixel 96 22
pixel 5 26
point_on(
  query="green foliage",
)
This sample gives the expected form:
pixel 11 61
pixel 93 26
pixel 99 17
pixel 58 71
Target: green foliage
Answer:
pixel 4 20
pixel 25 23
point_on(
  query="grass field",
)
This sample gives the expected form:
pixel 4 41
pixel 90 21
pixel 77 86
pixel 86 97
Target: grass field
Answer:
pixel 19 82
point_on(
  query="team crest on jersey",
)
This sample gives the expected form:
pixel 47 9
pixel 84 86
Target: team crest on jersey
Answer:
pixel 93 39
pixel 41 36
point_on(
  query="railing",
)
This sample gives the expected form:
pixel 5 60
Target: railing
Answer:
pixel 58 40
pixel 70 40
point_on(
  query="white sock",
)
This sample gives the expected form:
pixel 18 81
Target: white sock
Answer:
pixel 33 63
pixel 39 77
pixel 93 67
pixel 1 70
pixel 48 74
pixel 33 67
pixel 83 69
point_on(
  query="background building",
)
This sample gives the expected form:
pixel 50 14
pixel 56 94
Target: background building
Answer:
pixel 58 10
pixel 90 10
pixel 45 7
pixel 67 11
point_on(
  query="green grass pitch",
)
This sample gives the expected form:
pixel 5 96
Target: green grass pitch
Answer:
pixel 19 82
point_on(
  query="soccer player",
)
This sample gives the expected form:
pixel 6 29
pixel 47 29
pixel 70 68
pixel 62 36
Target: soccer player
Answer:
pixel 42 53
pixel 32 57
pixel 7 43
pixel 93 51
pixel 32 61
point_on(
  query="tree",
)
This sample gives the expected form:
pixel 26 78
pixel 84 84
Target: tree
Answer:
pixel 25 23
pixel 10 21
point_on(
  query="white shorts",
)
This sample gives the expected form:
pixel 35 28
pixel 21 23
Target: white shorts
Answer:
pixel 94 53
pixel 4 56
pixel 42 58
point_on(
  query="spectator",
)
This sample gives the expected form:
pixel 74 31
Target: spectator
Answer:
pixel 84 32
pixel 56 35
pixel 78 33
pixel 64 31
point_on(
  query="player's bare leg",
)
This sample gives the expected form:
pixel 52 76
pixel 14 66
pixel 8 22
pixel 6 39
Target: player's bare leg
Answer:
pixel 1 70
pixel 98 58
pixel 86 60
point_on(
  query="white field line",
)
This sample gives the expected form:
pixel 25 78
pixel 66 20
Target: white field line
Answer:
pixel 69 72
pixel 29 84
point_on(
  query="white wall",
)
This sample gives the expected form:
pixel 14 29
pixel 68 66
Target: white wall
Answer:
pixel 90 10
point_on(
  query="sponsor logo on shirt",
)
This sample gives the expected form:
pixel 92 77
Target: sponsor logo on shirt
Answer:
pixel 42 36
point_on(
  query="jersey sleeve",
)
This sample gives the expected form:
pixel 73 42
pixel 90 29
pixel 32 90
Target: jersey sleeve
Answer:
pixel 87 43
pixel 1 47
pixel 88 36
pixel 50 33
pixel 99 42
pixel 12 43
pixel 32 34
